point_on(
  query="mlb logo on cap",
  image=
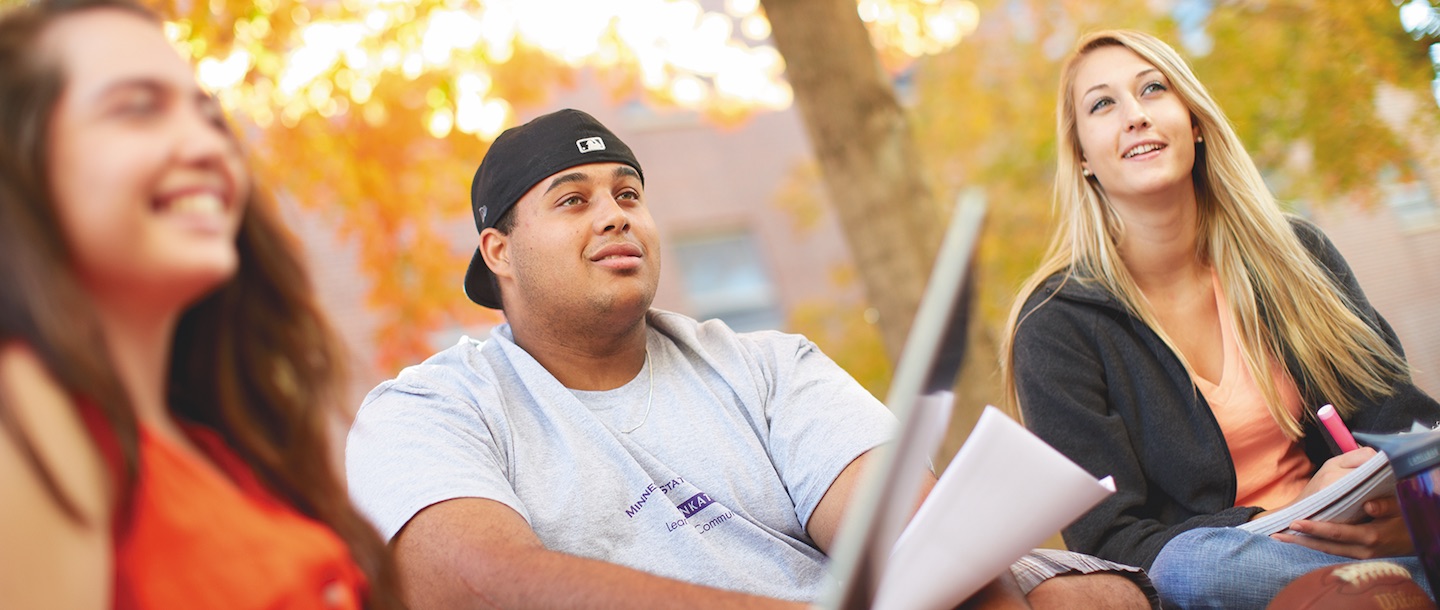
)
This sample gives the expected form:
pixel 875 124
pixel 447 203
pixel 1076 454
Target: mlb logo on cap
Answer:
pixel 520 158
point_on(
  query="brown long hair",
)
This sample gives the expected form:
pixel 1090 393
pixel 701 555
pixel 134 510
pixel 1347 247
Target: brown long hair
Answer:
pixel 44 307
pixel 255 359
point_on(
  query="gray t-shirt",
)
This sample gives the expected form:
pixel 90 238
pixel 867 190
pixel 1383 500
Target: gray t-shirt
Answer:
pixel 728 453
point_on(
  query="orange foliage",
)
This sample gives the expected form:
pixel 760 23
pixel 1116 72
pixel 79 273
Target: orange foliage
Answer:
pixel 1289 73
pixel 370 165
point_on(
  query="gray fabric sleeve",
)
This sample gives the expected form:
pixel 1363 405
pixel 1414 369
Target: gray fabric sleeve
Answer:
pixel 411 447
pixel 820 419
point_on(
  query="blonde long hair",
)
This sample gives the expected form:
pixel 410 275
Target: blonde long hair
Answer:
pixel 1242 233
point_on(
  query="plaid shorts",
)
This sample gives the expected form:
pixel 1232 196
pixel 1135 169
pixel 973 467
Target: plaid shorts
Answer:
pixel 1043 564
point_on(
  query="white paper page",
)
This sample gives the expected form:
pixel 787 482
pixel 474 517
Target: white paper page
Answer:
pixel 933 418
pixel 1343 500
pixel 1005 492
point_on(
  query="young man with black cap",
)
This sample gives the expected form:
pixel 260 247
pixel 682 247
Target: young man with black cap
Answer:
pixel 595 452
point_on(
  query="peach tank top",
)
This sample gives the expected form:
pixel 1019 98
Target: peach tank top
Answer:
pixel 1270 469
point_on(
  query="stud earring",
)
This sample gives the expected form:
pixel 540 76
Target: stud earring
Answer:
pixel 1199 139
pixel 1085 171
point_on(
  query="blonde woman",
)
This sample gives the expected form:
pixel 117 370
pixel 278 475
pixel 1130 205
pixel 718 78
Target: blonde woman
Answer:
pixel 1181 334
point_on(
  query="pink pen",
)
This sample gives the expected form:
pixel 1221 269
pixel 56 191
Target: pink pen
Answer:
pixel 1337 429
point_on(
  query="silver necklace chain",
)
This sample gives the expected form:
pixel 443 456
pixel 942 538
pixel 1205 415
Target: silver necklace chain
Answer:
pixel 649 396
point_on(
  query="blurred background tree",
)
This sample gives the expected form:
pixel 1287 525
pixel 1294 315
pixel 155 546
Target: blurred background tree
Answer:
pixel 342 97
pixel 1300 80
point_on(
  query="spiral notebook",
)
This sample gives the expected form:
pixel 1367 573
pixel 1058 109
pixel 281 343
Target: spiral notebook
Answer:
pixel 1343 501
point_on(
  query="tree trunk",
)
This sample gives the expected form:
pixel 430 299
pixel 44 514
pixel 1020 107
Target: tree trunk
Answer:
pixel 869 164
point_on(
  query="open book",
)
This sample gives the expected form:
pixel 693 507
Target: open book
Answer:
pixel 1005 492
pixel 1343 501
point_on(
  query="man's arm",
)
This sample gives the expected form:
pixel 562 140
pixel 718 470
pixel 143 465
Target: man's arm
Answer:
pixel 476 553
pixel 825 522
pixel 1101 590
pixel 1000 594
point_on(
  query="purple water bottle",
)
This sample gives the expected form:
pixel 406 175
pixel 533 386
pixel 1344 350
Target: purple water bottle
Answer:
pixel 1415 457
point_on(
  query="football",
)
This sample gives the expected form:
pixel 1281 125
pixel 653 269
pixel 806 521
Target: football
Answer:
pixel 1381 585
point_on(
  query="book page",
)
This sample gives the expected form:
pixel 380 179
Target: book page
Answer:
pixel 1343 501
pixel 1005 492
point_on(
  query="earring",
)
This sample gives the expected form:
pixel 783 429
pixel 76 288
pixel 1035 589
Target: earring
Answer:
pixel 1085 171
pixel 1199 139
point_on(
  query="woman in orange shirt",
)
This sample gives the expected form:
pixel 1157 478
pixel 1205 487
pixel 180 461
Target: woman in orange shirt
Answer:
pixel 167 382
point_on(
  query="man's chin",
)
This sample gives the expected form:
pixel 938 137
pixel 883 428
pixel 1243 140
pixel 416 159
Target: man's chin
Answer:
pixel 625 303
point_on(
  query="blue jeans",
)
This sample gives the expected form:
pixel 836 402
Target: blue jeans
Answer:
pixel 1231 568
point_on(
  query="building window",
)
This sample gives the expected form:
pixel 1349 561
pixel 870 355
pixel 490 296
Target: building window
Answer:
pixel 725 278
pixel 1412 205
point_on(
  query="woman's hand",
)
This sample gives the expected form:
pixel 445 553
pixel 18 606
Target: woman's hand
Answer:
pixel 1334 469
pixel 1331 471
pixel 1384 535
pixel 1381 534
